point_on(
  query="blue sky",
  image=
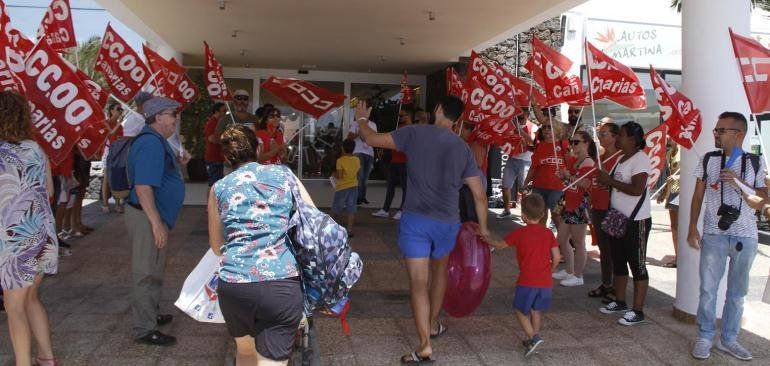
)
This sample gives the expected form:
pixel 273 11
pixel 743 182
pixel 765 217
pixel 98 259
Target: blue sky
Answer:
pixel 89 17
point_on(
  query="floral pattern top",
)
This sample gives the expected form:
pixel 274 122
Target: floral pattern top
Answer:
pixel 255 204
pixel 28 243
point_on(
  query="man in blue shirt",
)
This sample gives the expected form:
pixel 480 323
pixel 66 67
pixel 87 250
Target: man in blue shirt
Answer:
pixel 156 197
pixel 439 163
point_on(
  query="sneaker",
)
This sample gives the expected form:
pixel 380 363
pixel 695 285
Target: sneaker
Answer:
pixel 571 281
pixel 613 307
pixel 561 275
pixel 504 215
pixel 734 349
pixel 532 345
pixel 156 338
pixel 702 349
pixel 397 216
pixel 64 235
pixel 380 213
pixel 632 317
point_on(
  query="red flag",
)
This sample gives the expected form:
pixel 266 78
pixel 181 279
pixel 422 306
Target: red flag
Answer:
pixel 535 69
pixel 56 27
pixel 552 63
pixel 215 79
pixel 406 92
pixel 612 80
pixel 482 103
pixel 522 89
pixel 454 85
pixel 655 149
pixel 59 101
pixel 93 138
pixel 123 70
pixel 677 111
pixel 494 77
pixel 303 95
pixel 582 100
pixel 754 62
pixel 185 90
pixel 97 93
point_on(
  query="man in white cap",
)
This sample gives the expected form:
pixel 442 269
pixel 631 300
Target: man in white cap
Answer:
pixel 153 205
pixel 240 114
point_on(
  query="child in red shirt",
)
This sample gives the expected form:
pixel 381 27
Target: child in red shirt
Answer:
pixel 537 253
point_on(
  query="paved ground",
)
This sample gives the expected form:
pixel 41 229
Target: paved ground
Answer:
pixel 88 305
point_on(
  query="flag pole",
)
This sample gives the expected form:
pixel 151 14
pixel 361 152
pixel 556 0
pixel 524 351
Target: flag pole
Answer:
pixel 230 112
pixel 553 138
pixel 664 185
pixel 593 102
pixel 589 172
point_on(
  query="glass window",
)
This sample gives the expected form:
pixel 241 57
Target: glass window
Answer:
pixel 313 151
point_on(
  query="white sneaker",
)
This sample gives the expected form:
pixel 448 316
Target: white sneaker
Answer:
pixel 561 275
pixel 397 216
pixel 380 213
pixel 571 281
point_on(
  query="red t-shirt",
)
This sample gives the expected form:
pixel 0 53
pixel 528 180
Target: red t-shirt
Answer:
pixel 574 195
pixel 397 157
pixel 266 138
pixel 600 196
pixel 213 151
pixel 533 252
pixel 544 165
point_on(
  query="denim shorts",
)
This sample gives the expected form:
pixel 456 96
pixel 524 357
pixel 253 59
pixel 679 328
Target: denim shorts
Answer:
pixel 422 237
pixel 550 196
pixel 532 298
pixel 345 201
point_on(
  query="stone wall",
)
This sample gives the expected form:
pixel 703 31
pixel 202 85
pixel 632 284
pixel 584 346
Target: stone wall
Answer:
pixel 504 53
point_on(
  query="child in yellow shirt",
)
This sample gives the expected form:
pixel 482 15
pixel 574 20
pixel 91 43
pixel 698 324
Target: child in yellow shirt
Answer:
pixel 346 190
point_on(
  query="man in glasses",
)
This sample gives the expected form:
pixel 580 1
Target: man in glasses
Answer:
pixel 154 203
pixel 240 115
pixel 729 232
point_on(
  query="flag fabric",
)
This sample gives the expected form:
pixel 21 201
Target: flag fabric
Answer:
pixel 754 62
pixel 612 80
pixel 304 95
pixel 60 103
pixel 94 136
pixel 56 27
pixel 215 79
pixel 683 120
pixel 407 96
pixel 454 84
pixel 124 71
pixel 655 148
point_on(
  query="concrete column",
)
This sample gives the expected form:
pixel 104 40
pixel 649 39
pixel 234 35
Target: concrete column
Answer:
pixel 710 77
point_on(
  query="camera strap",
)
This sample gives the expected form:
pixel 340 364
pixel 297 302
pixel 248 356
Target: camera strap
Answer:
pixel 722 183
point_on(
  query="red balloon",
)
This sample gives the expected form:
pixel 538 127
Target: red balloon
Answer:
pixel 468 272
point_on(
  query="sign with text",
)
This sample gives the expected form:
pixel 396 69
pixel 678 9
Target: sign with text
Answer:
pixel 304 95
pixel 215 78
pixel 123 70
pixel 56 27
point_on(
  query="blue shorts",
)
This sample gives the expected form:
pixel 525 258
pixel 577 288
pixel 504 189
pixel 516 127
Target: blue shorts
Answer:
pixel 550 196
pixel 345 201
pixel 422 237
pixel 532 298
pixel 215 171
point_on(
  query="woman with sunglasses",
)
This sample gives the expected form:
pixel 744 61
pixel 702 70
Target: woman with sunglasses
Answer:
pixel 547 158
pixel 114 112
pixel 272 147
pixel 574 217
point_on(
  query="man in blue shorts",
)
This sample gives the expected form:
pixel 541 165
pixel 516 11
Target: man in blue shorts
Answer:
pixel 439 163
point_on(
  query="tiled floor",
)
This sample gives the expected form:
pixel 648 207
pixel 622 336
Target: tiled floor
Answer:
pixel 88 306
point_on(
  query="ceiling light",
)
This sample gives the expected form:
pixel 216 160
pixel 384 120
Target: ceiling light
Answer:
pixel 401 41
pixel 235 33
pixel 243 52
pixel 222 4
pixel 309 66
pixel 431 16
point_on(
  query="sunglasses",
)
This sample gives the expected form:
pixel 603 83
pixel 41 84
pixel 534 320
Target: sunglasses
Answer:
pixel 242 97
pixel 576 142
pixel 723 130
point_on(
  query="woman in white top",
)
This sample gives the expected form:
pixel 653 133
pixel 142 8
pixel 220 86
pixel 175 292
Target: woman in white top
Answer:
pixel 629 196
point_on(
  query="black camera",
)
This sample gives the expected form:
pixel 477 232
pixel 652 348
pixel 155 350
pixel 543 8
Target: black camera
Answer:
pixel 727 216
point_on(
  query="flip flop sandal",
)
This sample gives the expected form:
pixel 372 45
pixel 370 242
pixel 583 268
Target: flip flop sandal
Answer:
pixel 415 359
pixel 441 330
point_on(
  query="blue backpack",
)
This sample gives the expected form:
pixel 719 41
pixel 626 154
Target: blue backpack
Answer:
pixel 328 266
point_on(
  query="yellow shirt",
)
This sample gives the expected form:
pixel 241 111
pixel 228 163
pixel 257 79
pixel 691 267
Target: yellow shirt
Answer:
pixel 349 166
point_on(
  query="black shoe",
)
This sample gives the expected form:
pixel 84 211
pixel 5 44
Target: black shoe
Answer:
pixel 164 319
pixel 156 338
pixel 365 201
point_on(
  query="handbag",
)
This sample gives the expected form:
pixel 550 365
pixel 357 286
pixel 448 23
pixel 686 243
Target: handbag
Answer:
pixel 616 223
pixel 199 298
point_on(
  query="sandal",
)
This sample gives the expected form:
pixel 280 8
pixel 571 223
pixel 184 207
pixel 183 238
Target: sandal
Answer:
pixel 441 330
pixel 600 291
pixel 45 361
pixel 671 264
pixel 415 359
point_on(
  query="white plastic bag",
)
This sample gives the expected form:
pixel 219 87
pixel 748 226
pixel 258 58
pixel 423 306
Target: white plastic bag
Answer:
pixel 198 298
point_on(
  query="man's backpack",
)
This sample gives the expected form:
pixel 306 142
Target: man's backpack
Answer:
pixel 117 162
pixel 328 267
pixel 752 158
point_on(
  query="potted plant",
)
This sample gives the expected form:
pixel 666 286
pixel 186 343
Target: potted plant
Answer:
pixel 193 123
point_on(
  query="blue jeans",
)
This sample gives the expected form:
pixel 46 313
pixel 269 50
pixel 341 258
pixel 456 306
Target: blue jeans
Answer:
pixel 715 251
pixel 367 163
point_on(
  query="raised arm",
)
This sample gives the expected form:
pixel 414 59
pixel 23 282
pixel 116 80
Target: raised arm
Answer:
pixel 370 136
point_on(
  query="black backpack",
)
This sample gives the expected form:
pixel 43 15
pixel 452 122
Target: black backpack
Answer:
pixel 753 159
pixel 117 162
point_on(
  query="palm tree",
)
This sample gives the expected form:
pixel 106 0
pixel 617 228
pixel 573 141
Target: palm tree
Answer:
pixel 85 59
pixel 762 4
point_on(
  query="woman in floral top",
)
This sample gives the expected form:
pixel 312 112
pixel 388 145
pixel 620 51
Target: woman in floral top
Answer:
pixel 259 289
pixel 28 244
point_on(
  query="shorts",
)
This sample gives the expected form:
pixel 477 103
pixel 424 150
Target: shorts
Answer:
pixel 345 201
pixel 574 217
pixel 550 196
pixel 422 237
pixel 269 311
pixel 672 202
pixel 532 298
pixel 513 173
pixel 215 172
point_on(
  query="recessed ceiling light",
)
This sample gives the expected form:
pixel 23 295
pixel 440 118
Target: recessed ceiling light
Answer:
pixel 222 4
pixel 431 16
pixel 308 66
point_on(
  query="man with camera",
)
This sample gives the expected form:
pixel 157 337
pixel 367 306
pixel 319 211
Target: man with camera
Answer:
pixel 732 184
